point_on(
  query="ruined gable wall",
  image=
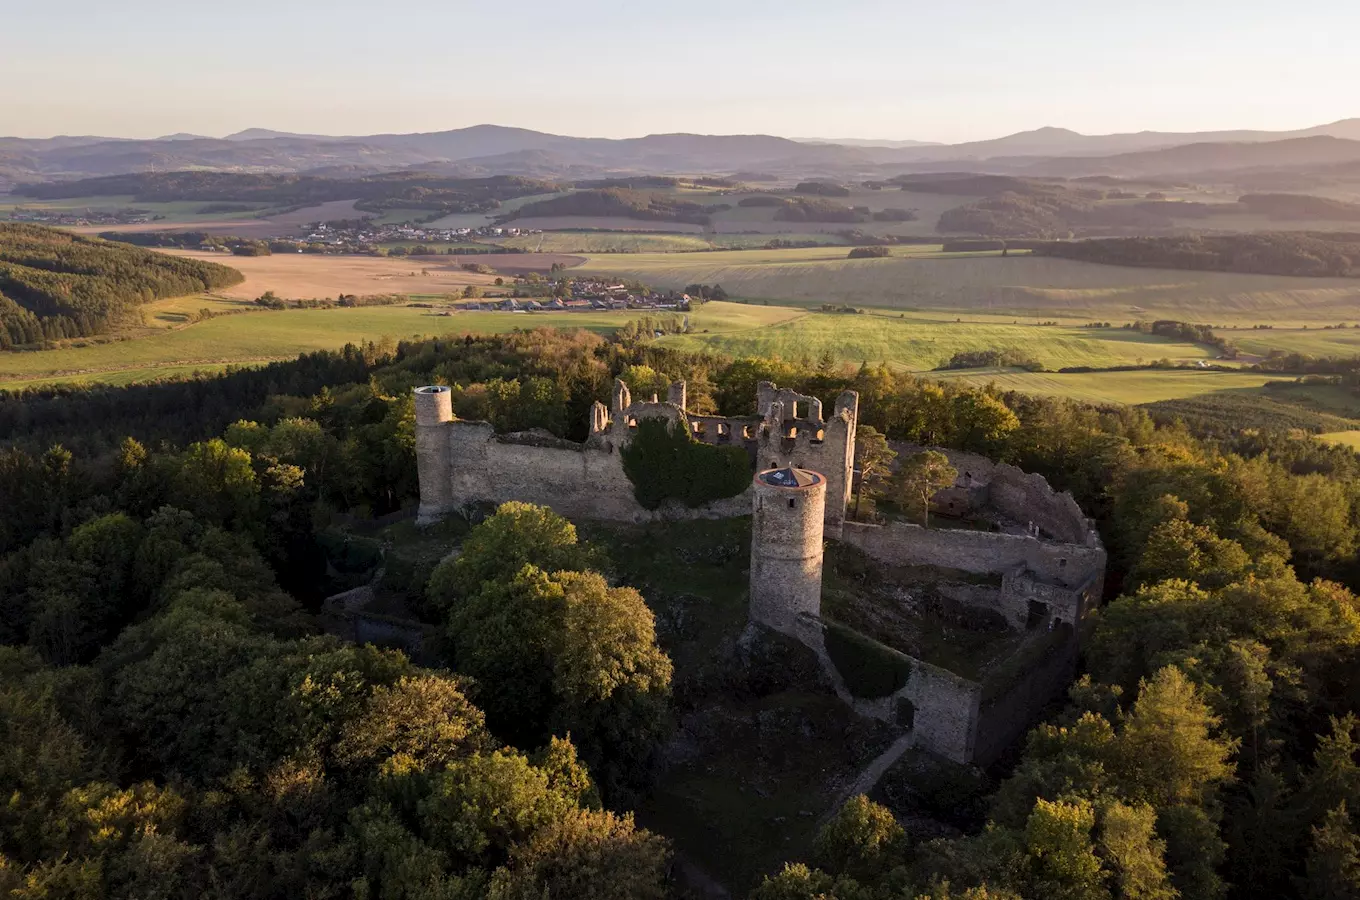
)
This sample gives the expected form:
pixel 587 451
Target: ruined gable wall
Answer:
pixel 946 711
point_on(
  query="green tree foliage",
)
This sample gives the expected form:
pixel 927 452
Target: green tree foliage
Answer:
pixel 555 650
pixel 665 462
pixel 862 840
pixel 873 459
pixel 917 479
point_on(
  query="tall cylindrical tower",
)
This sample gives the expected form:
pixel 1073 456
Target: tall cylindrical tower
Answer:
pixel 786 546
pixel 434 410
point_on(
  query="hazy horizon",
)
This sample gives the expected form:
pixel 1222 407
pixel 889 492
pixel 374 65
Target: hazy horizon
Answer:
pixel 866 70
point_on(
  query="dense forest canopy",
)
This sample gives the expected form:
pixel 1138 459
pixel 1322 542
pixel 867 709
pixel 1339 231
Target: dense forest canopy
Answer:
pixel 57 285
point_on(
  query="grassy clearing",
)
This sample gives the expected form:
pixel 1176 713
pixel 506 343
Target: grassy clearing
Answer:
pixel 917 278
pixel 921 342
pixel 1343 438
pixel 258 336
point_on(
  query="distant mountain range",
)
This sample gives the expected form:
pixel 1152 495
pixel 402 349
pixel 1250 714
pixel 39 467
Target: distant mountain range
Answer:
pixel 494 149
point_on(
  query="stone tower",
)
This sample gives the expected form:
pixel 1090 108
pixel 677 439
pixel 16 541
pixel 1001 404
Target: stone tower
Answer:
pixel 789 507
pixel 434 410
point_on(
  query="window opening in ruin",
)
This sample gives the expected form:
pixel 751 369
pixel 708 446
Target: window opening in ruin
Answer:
pixel 1037 613
pixel 819 437
pixel 632 422
pixel 722 429
pixel 774 464
pixel 793 410
pixel 1062 563
pixel 793 431
pixel 792 503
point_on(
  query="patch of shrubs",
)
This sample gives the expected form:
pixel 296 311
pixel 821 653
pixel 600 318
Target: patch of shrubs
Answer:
pixel 665 462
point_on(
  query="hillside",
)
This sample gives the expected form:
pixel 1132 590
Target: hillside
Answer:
pixel 56 285
pixel 1315 254
pixel 613 202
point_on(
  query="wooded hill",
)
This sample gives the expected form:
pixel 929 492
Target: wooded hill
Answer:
pixel 56 285
pixel 1314 253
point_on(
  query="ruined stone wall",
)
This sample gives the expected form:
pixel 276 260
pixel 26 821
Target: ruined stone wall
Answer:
pixel 1007 712
pixel 945 720
pixel 809 442
pixel 576 480
pixel 982 552
pixel 1021 497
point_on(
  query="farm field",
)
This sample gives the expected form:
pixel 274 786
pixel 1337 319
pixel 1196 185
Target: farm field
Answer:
pixel 1124 388
pixel 177 211
pixel 922 342
pixel 1310 341
pixel 261 336
pixel 305 275
pixel 1019 285
pixel 637 242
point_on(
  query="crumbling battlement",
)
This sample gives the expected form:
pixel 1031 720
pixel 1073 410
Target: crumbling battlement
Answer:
pixel 462 463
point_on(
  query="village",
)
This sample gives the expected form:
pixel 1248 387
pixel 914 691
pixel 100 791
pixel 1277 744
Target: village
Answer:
pixel 581 295
pixel 362 232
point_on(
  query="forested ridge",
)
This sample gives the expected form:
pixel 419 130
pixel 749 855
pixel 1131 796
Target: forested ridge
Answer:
pixel 1312 253
pixel 175 725
pixel 56 285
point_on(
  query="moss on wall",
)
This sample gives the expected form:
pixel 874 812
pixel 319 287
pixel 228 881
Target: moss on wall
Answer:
pixel 664 462
pixel 869 668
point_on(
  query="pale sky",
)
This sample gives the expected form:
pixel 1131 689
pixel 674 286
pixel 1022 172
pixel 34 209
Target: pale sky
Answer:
pixel 943 70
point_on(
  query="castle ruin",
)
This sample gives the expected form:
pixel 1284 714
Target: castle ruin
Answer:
pixel 1022 575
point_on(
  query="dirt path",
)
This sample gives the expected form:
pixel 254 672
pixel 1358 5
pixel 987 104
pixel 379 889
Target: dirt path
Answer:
pixel 867 779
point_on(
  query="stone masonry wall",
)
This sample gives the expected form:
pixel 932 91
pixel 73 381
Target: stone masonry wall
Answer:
pixel 983 552
pixel 576 480
pixel 1019 496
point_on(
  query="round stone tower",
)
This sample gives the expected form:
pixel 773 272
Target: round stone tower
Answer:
pixel 434 410
pixel 786 546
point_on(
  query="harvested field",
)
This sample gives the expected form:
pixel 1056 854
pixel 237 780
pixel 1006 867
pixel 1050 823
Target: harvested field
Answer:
pixel 304 276
pixel 516 263
pixel 1020 285
pixel 288 224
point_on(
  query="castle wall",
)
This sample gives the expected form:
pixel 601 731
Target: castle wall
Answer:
pixel 1006 714
pixel 945 720
pixel 982 552
pixel 576 480
pixel 1019 496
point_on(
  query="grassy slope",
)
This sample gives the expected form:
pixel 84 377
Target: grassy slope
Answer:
pixel 1145 386
pixel 256 336
pixel 1019 285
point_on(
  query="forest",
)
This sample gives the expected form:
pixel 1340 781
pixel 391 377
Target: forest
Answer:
pixel 1314 253
pixel 55 285
pixel 177 726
